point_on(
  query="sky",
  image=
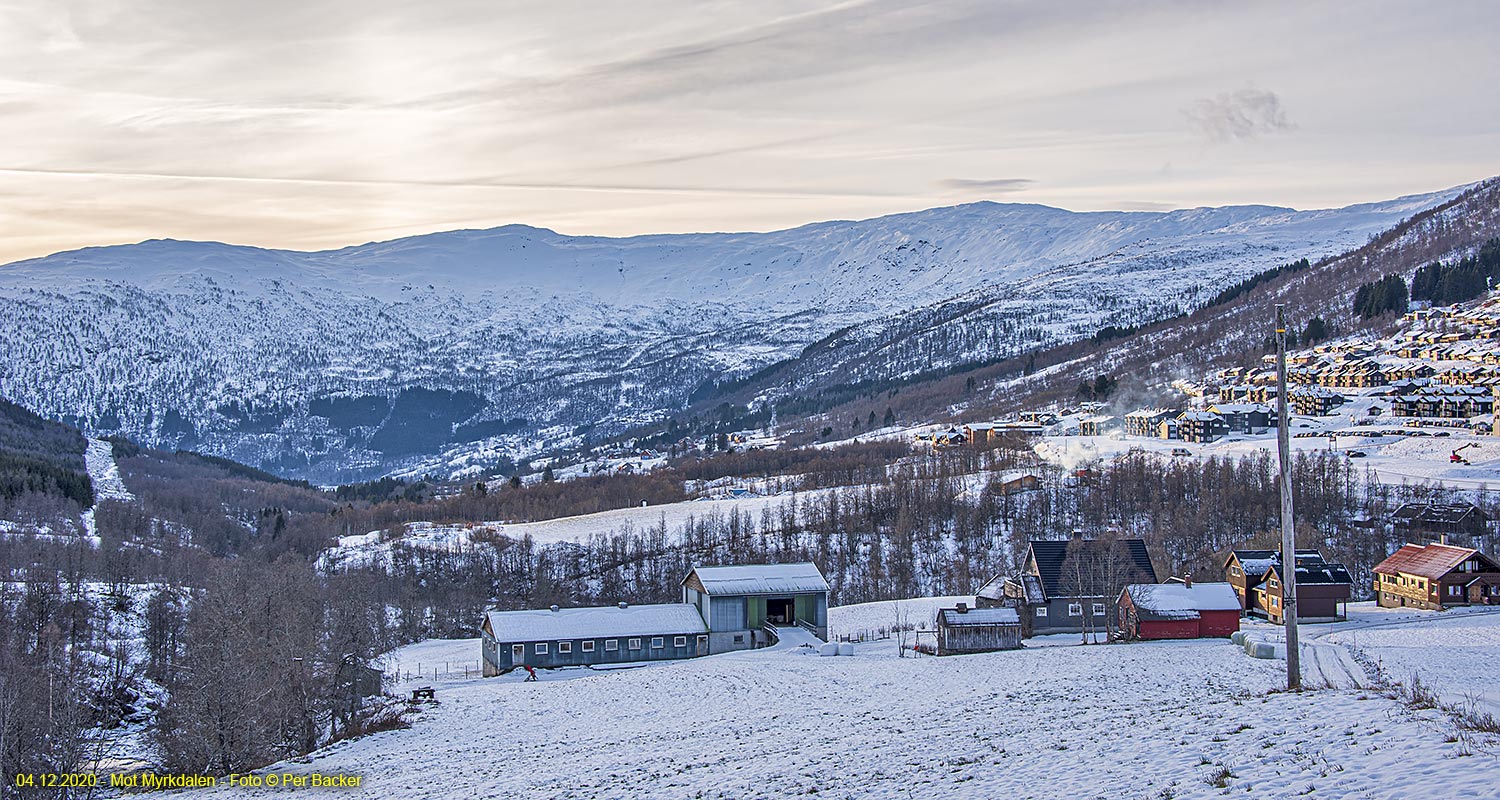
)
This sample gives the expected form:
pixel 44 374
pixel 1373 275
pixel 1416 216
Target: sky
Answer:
pixel 310 125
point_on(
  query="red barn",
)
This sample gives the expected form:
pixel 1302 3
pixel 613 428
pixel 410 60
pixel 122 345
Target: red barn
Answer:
pixel 1179 610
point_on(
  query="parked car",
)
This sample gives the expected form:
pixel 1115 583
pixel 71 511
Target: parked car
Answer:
pixel 1355 453
pixel 1181 451
pixel 1441 433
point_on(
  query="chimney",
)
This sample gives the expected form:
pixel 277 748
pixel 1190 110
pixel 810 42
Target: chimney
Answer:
pixel 963 608
pixel 554 608
pixel 624 604
pixel 1443 539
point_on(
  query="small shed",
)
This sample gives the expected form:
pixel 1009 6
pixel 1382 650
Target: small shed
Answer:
pixel 1178 610
pixel 977 630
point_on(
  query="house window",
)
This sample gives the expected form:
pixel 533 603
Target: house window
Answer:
pixel 635 644
pixel 1235 571
pixel 1098 609
pixel 1075 609
pixel 1041 612
pixel 564 647
pixel 588 647
pixel 611 644
pixel 679 641
pixel 541 649
pixel 1274 584
pixel 1455 590
pixel 656 642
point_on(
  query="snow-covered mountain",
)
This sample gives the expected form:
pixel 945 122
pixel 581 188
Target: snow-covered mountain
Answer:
pixel 355 362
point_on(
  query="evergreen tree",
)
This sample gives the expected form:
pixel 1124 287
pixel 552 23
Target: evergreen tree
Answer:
pixel 890 417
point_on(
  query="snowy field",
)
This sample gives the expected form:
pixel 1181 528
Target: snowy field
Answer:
pixel 1193 719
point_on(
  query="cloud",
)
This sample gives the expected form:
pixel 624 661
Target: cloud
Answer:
pixel 1244 114
pixel 987 185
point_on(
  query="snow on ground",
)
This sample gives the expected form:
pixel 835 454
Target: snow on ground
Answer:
pixel 1456 652
pixel 875 618
pixel 1164 719
pixel 1394 457
pixel 1188 719
pixel 580 528
pixel 104 472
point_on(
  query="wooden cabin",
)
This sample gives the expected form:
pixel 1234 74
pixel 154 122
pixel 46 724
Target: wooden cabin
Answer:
pixel 977 630
pixel 1435 577
pixel 1178 609
pixel 1256 577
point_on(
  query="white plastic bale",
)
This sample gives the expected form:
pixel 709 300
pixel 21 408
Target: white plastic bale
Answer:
pixel 846 649
pixel 829 649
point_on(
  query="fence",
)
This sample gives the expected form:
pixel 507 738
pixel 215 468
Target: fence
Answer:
pixel 436 671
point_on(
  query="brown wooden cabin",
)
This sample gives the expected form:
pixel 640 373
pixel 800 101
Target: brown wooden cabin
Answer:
pixel 1436 576
pixel 1257 580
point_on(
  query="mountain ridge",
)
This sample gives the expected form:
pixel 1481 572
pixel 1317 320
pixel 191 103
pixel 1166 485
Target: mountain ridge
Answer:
pixel 231 348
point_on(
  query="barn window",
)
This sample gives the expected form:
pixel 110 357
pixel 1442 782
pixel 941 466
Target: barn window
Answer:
pixel 1075 609
pixel 588 647
pixel 635 644
pixel 1041 612
pixel 679 641
pixel 656 642
pixel 611 644
pixel 1098 609
pixel 541 649
pixel 1455 590
pixel 564 647
pixel 739 638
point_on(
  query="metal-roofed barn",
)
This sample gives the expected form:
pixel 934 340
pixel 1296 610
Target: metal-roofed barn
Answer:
pixel 566 637
pixel 739 602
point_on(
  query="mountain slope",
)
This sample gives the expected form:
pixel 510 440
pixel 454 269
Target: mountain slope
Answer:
pixel 355 362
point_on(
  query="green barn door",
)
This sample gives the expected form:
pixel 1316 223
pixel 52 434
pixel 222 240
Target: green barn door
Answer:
pixel 756 606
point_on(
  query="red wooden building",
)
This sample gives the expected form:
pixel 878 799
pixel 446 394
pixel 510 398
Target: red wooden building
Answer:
pixel 1178 610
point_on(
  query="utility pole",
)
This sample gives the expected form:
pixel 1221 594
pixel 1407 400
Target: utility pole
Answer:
pixel 1288 569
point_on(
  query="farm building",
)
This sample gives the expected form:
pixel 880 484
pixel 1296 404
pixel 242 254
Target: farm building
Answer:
pixel 977 630
pixel 566 637
pixel 739 602
pixel 1436 576
pixel 723 609
pixel 1178 610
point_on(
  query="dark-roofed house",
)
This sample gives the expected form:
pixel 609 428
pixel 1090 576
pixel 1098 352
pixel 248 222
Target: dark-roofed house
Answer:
pixel 1436 576
pixel 1420 522
pixel 1178 610
pixel 738 602
pixel 1081 579
pixel 977 630
pixel 1256 577
pixel 565 637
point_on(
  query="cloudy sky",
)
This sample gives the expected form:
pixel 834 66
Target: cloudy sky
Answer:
pixel 320 123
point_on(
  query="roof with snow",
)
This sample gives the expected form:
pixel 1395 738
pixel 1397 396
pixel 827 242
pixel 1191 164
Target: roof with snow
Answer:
pixel 799 578
pixel 1026 587
pixel 953 618
pixel 1180 600
pixel 1432 561
pixel 542 625
pixel 1258 562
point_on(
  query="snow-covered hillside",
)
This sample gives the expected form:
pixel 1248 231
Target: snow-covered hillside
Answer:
pixel 1188 719
pixel 369 359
